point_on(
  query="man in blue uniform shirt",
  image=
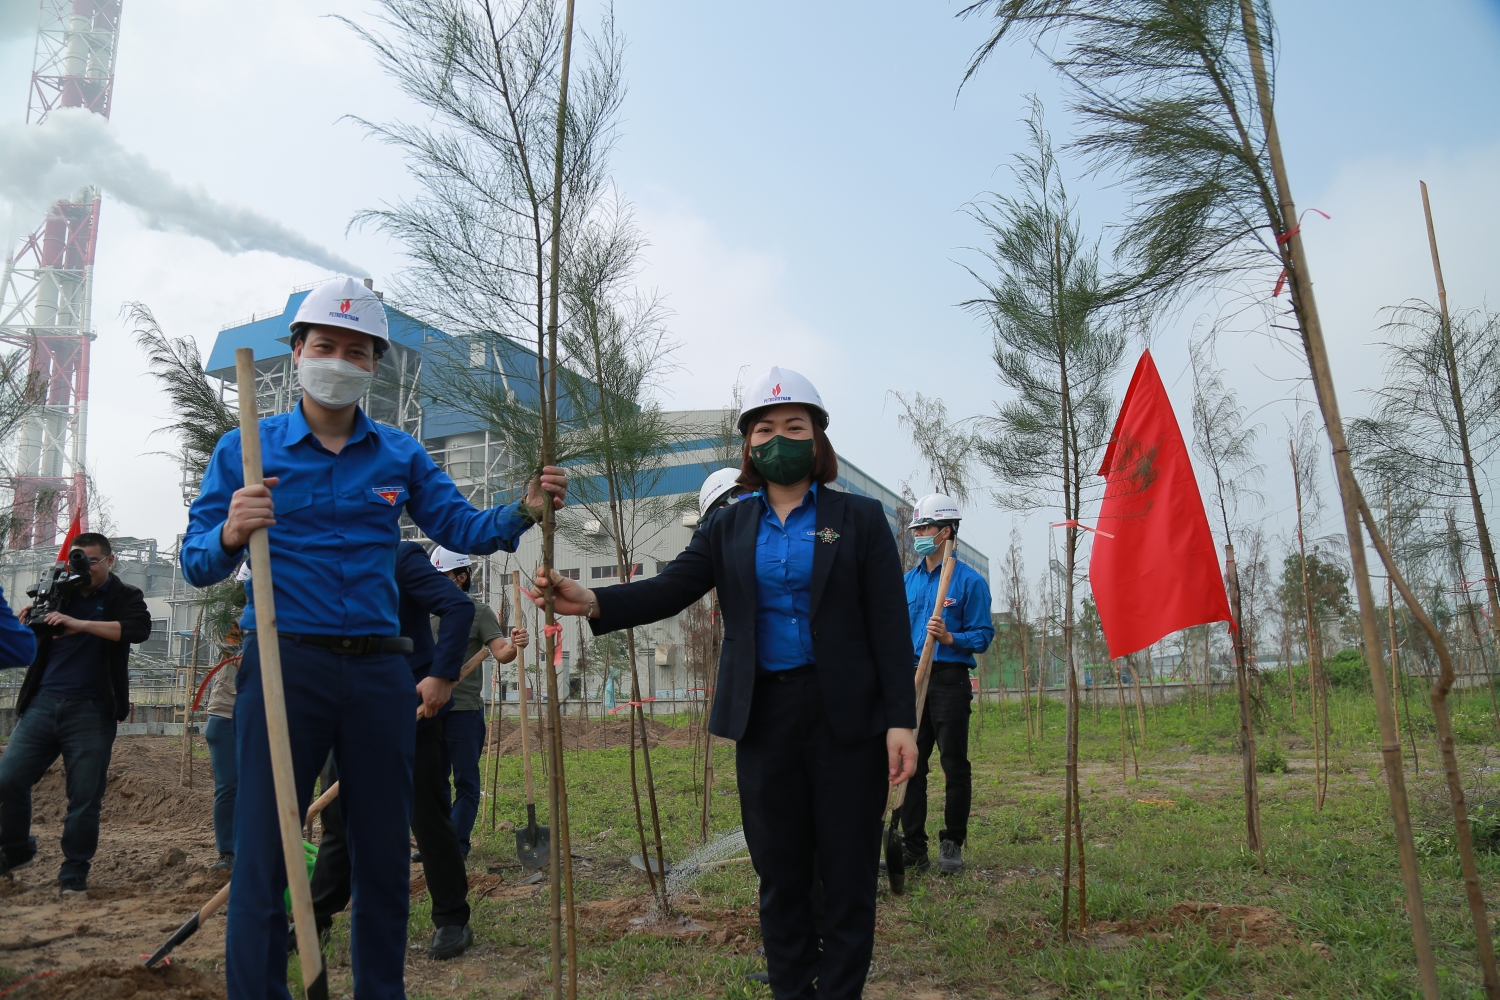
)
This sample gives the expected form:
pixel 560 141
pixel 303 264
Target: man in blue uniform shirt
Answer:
pixel 963 629
pixel 336 486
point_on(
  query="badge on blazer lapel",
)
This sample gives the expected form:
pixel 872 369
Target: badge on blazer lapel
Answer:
pixel 828 536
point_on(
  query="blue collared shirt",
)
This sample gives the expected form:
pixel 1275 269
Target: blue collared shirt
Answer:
pixel 783 576
pixel 966 612
pixel 333 546
pixel 17 641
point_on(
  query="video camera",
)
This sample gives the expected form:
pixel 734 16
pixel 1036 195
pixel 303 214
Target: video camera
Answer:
pixel 56 588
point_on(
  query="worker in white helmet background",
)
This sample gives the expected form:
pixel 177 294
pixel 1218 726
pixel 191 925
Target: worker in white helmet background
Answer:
pixel 962 630
pixel 463 729
pixel 814 685
pixel 719 490
pixel 337 486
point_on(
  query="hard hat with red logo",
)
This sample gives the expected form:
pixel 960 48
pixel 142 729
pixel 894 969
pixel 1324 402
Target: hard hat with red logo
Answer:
pixel 344 302
pixel 934 508
pixel 446 560
pixel 781 385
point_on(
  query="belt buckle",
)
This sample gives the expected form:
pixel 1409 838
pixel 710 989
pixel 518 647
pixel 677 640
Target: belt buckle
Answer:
pixel 346 643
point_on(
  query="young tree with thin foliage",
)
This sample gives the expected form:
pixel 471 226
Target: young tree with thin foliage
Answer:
pixel 1057 355
pixel 1176 99
pixel 1225 443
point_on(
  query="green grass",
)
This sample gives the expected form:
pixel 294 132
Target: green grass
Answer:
pixel 993 932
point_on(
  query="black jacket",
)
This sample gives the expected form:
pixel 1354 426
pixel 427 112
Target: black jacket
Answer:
pixel 124 604
pixel 861 642
pixel 426 592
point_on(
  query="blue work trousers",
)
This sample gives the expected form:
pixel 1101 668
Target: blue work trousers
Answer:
pixel 82 732
pixel 464 733
pixel 220 737
pixel 363 708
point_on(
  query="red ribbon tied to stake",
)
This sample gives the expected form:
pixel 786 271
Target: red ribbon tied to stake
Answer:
pixel 555 631
pixel 1285 238
pixel 1078 524
pixel 630 704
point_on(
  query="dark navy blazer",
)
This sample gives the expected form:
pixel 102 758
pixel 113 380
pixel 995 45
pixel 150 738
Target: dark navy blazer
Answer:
pixel 861 645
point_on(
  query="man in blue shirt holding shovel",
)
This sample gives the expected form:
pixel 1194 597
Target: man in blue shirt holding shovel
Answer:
pixel 336 486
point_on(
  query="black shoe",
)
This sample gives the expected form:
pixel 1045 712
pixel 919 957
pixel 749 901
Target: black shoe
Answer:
pixel 759 977
pixel 950 857
pixel 912 862
pixel 75 886
pixel 416 857
pixel 224 864
pixel 11 860
pixel 450 942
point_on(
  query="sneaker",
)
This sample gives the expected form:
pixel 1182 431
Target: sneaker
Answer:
pixel 450 942
pixel 912 862
pixel 763 978
pixel 224 864
pixel 11 860
pixel 75 886
pixel 950 857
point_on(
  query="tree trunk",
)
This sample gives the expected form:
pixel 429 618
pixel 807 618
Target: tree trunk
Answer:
pixel 1294 259
pixel 1249 775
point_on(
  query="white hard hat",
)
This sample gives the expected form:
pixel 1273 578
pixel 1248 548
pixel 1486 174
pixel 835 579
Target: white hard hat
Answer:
pixel 446 560
pixel 934 508
pixel 347 303
pixel 781 385
pixel 715 486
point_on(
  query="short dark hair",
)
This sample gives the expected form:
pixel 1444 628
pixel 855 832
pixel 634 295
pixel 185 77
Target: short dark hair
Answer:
pixel 825 462
pixel 300 334
pixel 94 539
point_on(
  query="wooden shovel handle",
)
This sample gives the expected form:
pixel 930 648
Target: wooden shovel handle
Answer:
pixel 515 579
pixel 929 650
pixel 284 776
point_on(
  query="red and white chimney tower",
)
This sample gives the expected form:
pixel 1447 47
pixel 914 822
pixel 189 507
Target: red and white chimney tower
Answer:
pixel 46 287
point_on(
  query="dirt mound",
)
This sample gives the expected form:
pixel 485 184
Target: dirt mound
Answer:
pixel 1258 927
pixel 106 981
pixel 592 734
pixel 142 787
pixel 737 929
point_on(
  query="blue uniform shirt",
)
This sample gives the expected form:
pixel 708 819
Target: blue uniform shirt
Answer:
pixel 74 662
pixel 333 545
pixel 966 612
pixel 783 578
pixel 17 642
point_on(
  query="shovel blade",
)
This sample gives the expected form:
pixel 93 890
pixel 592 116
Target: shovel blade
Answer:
pixel 895 857
pixel 534 847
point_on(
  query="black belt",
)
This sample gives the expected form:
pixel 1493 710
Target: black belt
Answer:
pixel 785 675
pixel 351 645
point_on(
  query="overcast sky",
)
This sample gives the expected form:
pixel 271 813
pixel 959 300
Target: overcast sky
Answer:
pixel 800 170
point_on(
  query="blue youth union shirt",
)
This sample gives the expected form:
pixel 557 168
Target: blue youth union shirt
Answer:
pixel 966 612
pixel 783 577
pixel 333 546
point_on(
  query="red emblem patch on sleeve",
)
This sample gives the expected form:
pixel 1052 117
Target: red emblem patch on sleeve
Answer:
pixel 390 496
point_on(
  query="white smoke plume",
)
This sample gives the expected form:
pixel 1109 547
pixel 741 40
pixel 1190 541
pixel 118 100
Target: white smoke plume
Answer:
pixel 74 148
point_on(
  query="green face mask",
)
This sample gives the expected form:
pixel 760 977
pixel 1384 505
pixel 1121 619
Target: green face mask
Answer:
pixel 783 460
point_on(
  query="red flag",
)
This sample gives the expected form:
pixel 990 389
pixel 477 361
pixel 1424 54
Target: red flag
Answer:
pixel 1160 571
pixel 73 532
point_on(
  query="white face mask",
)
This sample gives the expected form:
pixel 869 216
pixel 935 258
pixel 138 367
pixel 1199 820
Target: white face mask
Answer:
pixel 333 382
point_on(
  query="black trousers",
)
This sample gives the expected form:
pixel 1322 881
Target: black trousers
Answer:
pixel 431 823
pixel 811 808
pixel 945 721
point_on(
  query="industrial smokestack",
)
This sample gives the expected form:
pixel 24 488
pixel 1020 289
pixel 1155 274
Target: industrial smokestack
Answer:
pixel 73 147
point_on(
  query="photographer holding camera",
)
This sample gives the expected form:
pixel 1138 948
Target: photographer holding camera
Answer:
pixel 75 691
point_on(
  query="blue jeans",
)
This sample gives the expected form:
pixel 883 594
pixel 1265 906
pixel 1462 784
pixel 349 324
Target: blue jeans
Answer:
pixel 464 732
pixel 364 709
pixel 220 737
pixel 82 731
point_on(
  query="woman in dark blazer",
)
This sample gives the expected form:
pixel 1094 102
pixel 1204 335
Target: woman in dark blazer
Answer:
pixel 815 680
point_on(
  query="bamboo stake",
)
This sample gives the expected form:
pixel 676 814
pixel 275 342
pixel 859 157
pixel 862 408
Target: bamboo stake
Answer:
pixel 1294 259
pixel 560 842
pixel 283 773
pixel 1120 704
